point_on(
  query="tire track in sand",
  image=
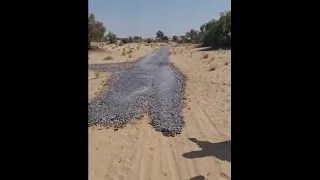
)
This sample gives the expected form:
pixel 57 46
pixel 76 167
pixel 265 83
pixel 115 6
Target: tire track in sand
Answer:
pixel 149 155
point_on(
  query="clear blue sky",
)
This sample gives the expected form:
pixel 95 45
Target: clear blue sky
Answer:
pixel 145 17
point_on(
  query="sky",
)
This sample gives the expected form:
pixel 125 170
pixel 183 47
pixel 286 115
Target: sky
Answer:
pixel 145 17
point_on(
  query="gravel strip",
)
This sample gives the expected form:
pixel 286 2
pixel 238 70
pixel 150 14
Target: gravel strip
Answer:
pixel 151 86
pixel 111 67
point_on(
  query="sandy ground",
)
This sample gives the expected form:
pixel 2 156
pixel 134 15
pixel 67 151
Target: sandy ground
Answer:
pixel 136 50
pixel 96 84
pixel 125 53
pixel 202 151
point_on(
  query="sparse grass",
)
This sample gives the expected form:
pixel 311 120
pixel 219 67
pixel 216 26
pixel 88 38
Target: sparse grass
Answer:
pixel 96 74
pixel 130 56
pixel 121 44
pixel 123 51
pixel 108 58
pixel 205 56
pixel 138 48
pixel 130 51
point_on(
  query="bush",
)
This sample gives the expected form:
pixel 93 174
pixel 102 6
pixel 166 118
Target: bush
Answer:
pixel 107 58
pixel 218 32
pixel 96 30
pixel 149 40
pixel 112 38
pixel 205 56
pixel 97 74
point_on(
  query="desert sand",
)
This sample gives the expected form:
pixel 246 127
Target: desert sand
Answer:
pixel 201 151
pixel 96 84
pixel 126 53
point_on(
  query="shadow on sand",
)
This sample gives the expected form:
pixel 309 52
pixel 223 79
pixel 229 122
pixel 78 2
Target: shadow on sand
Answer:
pixel 220 150
pixel 198 178
pixel 209 48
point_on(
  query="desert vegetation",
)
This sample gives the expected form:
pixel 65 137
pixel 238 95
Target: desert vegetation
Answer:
pixel 96 30
pixel 216 33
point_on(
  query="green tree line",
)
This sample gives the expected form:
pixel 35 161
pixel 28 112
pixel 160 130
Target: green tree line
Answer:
pixel 97 30
pixel 215 33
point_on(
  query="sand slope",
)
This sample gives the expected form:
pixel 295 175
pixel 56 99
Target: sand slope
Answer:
pixel 137 152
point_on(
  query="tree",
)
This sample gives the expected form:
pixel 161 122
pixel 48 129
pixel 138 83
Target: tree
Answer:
pixel 89 31
pixel 111 37
pixel 217 33
pixel 125 40
pixel 96 29
pixel 160 35
pixel 174 38
pixel 136 38
pixel 193 35
pixel 202 27
pixel 130 39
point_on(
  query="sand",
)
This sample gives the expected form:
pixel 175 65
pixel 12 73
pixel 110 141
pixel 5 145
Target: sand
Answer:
pixel 96 84
pixel 202 151
pixel 116 52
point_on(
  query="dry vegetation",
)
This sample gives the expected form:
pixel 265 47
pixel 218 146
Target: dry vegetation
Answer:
pixel 108 58
pixel 97 81
pixel 111 53
pixel 205 56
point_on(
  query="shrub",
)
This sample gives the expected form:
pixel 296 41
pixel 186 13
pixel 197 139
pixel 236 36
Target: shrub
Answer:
pixel 107 58
pixel 97 74
pixel 205 56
